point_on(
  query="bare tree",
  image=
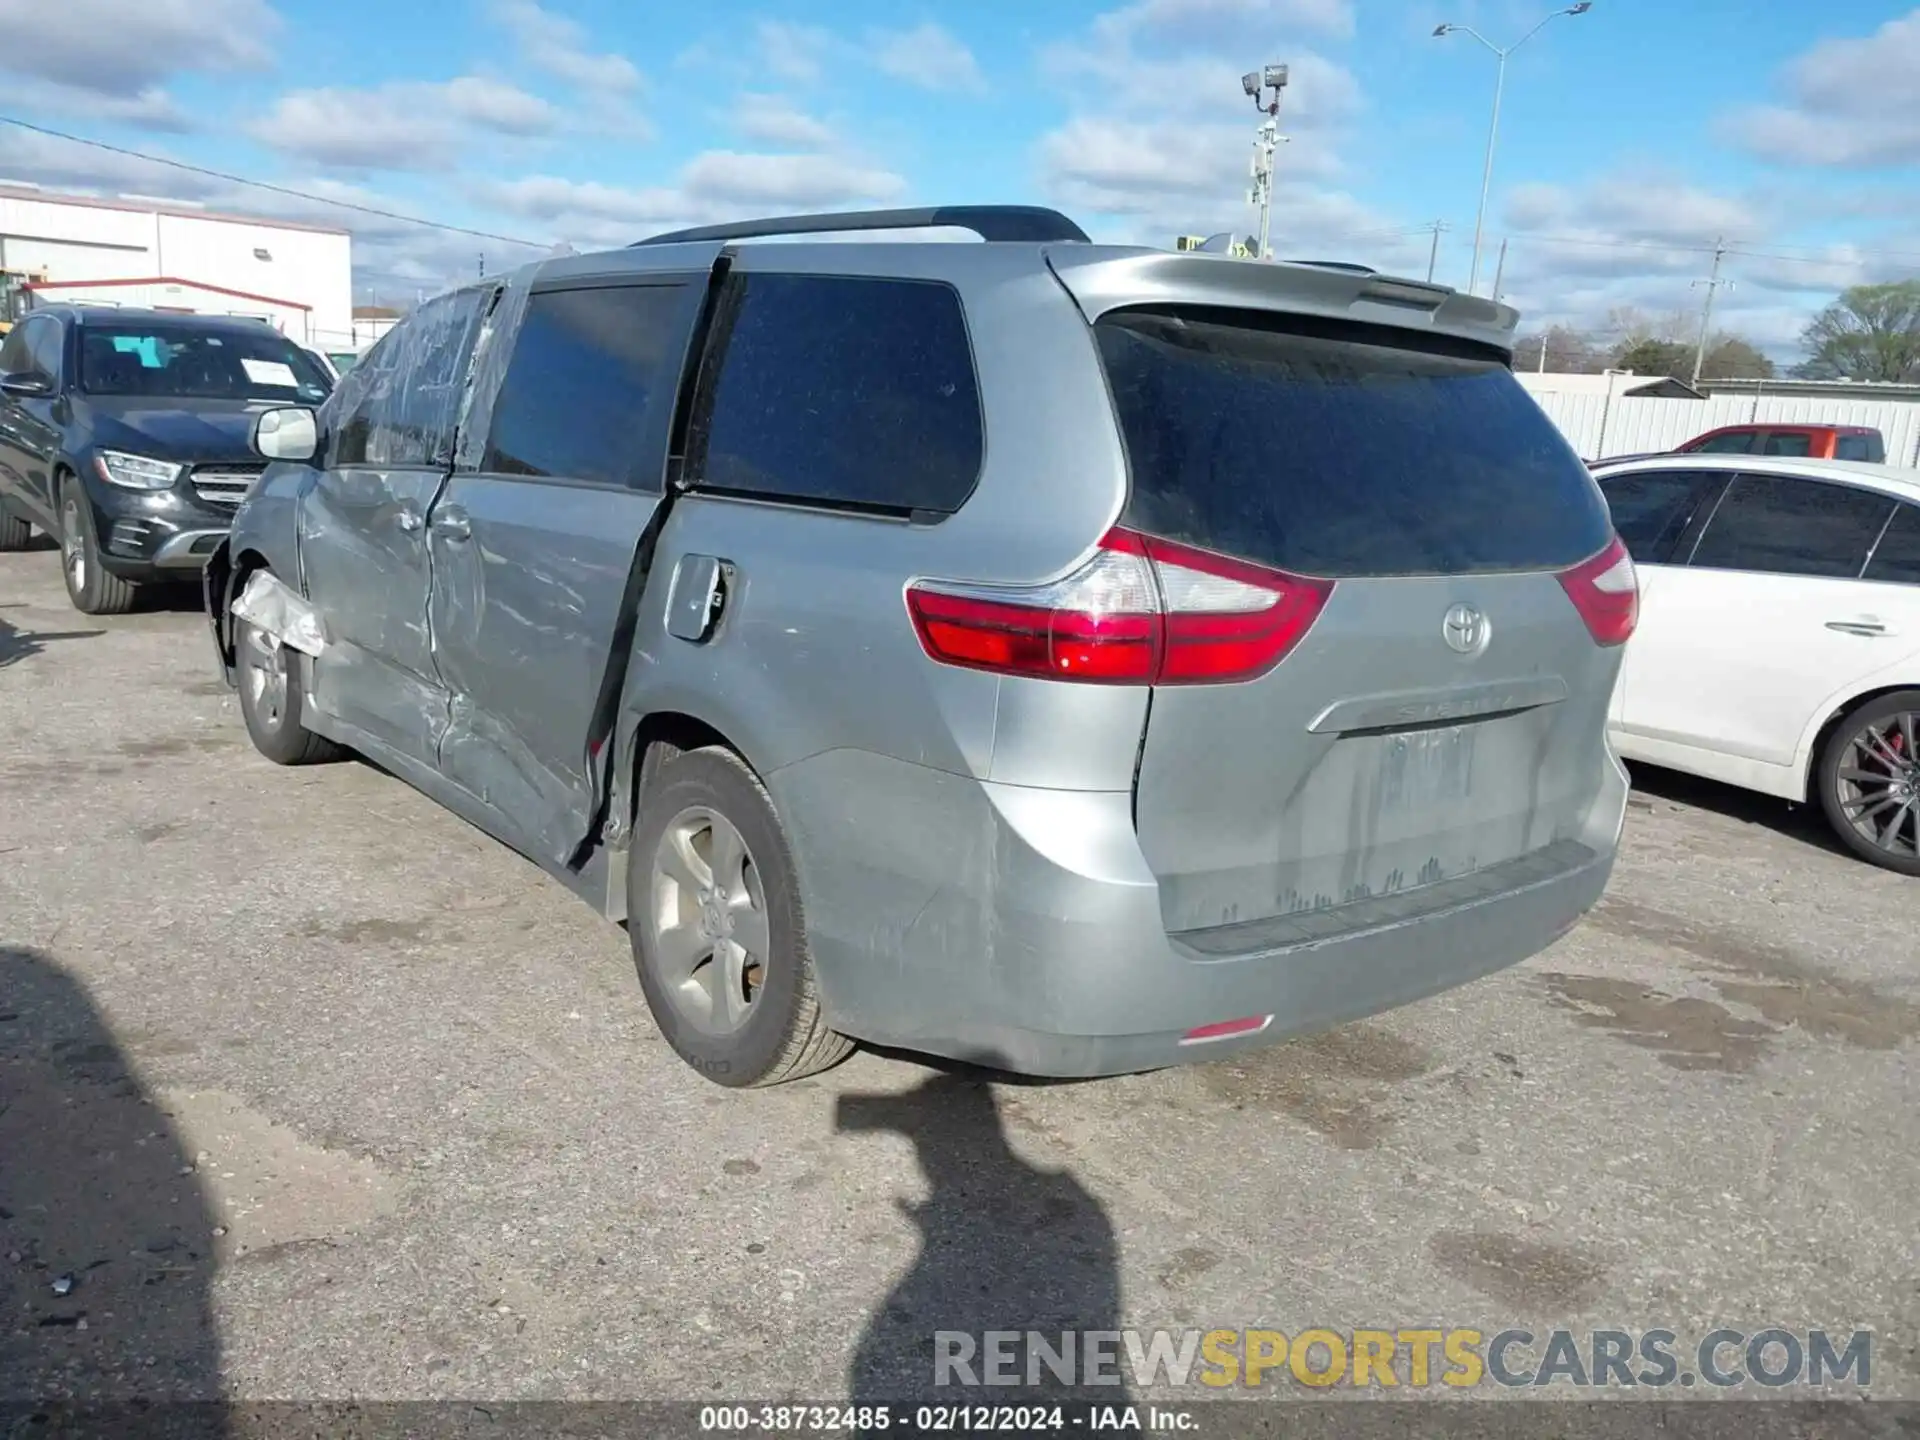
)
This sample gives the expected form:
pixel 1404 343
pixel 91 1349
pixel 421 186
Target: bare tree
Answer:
pixel 1872 332
pixel 1567 352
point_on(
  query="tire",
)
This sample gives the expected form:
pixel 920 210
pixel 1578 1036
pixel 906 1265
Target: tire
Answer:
pixel 773 1029
pixel 14 533
pixel 91 589
pixel 270 679
pixel 1869 778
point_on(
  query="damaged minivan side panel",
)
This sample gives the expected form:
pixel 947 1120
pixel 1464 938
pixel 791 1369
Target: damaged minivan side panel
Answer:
pixel 534 542
pixel 363 530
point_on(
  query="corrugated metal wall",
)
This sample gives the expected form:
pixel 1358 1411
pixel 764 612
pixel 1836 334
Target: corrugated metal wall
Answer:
pixel 1598 428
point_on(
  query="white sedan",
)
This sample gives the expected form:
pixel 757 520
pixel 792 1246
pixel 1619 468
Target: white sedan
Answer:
pixel 1778 646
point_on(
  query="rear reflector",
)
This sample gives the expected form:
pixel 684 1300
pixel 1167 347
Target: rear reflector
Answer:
pixel 1142 611
pixel 1225 1029
pixel 1606 592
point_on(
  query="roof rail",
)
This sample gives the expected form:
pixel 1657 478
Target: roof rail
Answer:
pixel 1029 223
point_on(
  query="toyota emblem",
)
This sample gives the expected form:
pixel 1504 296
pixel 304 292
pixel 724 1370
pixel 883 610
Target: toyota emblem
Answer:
pixel 1465 629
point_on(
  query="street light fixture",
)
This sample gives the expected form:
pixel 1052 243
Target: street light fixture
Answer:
pixel 1493 130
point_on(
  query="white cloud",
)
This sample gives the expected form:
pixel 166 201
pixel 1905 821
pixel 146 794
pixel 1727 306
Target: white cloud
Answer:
pixel 1161 132
pixel 1644 240
pixel 1855 104
pixel 773 120
pixel 794 53
pixel 728 177
pixel 558 46
pixel 149 108
pixel 718 185
pixel 1125 166
pixel 411 125
pixel 391 256
pixel 1638 206
pixel 495 105
pixel 61 164
pixel 929 56
pixel 114 47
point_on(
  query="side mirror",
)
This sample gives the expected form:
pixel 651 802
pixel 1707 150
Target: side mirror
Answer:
pixel 288 434
pixel 26 384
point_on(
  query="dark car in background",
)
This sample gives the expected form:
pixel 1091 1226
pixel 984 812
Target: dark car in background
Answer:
pixel 126 435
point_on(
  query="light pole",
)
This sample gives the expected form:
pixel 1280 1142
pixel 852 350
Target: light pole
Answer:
pixel 1493 130
pixel 1256 83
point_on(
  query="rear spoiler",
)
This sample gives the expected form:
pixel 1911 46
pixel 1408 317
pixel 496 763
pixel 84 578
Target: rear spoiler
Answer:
pixel 1101 280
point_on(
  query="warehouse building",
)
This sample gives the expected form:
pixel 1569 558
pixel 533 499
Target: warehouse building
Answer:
pixel 133 251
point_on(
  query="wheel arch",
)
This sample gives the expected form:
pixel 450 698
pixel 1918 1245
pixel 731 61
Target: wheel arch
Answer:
pixel 1824 732
pixel 659 736
pixel 656 736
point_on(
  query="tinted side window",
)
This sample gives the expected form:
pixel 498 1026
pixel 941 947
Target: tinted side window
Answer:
pixel 843 390
pixel 1651 508
pixel 586 366
pixel 1787 442
pixel 404 411
pixel 1856 447
pixel 1792 527
pixel 46 342
pixel 1897 557
pixel 1740 443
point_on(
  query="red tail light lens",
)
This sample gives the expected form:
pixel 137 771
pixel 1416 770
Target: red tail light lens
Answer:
pixel 1606 592
pixel 1142 611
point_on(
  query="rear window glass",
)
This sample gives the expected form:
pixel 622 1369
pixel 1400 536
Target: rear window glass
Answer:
pixel 1324 448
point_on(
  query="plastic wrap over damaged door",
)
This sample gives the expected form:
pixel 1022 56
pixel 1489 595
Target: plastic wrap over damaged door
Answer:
pixel 491 352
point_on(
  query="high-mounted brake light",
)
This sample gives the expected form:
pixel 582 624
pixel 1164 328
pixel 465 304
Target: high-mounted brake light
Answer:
pixel 1142 611
pixel 1606 592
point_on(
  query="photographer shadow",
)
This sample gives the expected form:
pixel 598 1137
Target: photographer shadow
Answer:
pixel 1004 1246
pixel 108 1243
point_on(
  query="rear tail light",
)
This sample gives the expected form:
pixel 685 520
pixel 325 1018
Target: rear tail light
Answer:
pixel 1142 611
pixel 1606 592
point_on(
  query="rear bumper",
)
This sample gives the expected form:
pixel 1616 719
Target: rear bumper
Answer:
pixel 1292 988
pixel 1035 944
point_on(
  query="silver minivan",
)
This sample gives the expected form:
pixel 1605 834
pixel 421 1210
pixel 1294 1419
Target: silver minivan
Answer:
pixel 1066 658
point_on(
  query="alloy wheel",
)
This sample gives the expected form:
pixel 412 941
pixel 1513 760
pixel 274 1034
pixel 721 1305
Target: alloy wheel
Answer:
pixel 265 662
pixel 1878 784
pixel 707 921
pixel 73 547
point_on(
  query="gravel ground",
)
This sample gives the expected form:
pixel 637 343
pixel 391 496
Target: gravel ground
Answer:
pixel 318 1093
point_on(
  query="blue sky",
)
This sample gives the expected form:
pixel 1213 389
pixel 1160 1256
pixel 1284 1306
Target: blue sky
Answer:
pixel 1632 136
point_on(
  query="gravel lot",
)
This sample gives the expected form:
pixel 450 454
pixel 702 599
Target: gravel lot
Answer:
pixel 320 1093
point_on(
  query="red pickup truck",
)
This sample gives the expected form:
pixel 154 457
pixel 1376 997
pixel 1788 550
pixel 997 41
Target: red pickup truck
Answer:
pixel 1811 442
pixel 1807 442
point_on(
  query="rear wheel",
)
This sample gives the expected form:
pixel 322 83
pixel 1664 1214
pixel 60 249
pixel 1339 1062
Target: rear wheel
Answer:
pixel 718 937
pixel 14 533
pixel 91 589
pixel 1870 781
pixel 270 700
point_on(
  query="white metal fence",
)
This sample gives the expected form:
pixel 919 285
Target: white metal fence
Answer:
pixel 1598 426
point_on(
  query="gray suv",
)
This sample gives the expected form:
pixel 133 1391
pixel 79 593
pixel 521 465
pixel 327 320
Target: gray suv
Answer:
pixel 1066 658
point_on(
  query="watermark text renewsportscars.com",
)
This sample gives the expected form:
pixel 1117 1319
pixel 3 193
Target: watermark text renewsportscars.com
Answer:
pixel 1411 1358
